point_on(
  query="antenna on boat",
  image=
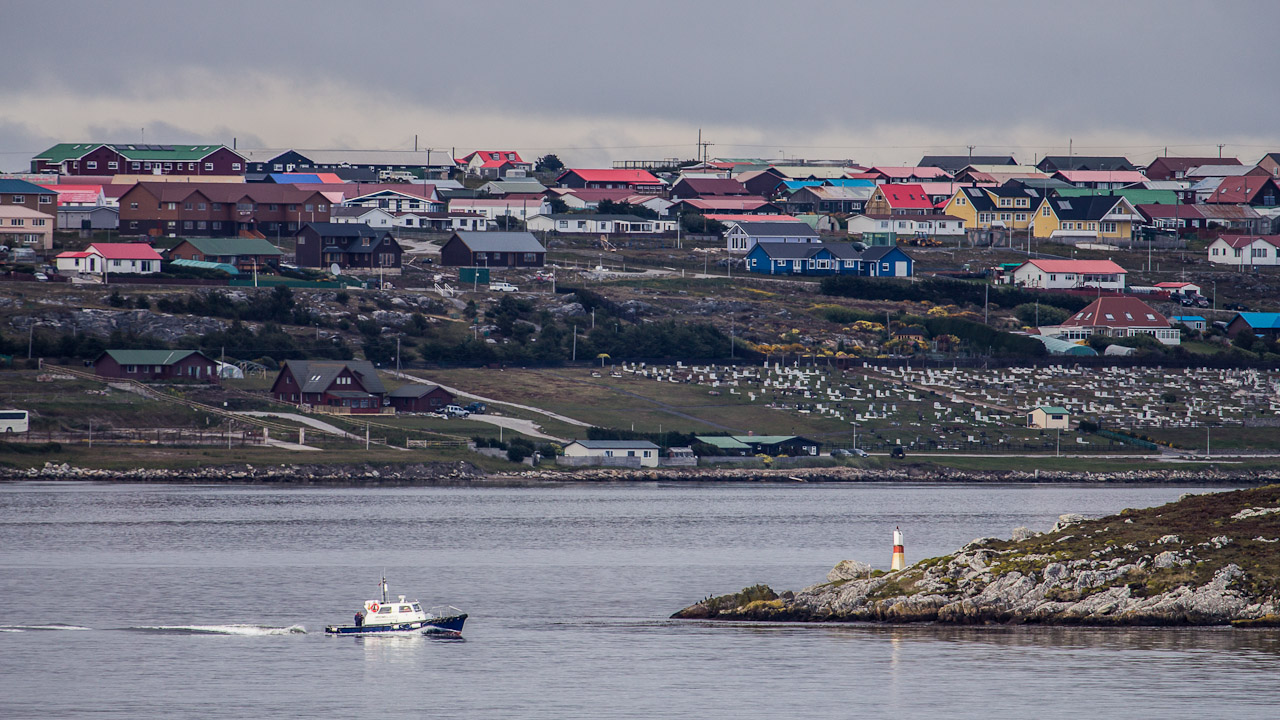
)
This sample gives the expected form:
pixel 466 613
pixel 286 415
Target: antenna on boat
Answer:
pixel 383 585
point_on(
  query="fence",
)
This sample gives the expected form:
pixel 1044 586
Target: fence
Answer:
pixel 142 436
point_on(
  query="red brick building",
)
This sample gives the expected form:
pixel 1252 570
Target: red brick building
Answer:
pixel 219 209
pixel 336 386
pixel 29 195
pixel 420 398
pixel 144 365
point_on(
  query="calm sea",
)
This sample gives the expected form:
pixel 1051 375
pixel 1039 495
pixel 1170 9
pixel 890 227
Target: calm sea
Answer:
pixel 209 602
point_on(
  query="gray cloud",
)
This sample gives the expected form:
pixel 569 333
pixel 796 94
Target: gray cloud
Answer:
pixel 871 81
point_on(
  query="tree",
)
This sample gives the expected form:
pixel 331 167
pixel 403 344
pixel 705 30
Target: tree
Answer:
pixel 609 207
pixel 549 163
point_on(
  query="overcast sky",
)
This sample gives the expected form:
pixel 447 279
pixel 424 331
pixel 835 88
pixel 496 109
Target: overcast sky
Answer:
pixel 875 82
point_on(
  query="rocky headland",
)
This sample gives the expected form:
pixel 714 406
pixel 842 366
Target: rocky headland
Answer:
pixel 1205 560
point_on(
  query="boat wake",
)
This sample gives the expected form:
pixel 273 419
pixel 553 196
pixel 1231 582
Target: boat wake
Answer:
pixel 234 629
pixel 27 628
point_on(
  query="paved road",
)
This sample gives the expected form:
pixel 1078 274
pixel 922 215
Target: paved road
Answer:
pixel 492 401
pixel 305 420
pixel 520 425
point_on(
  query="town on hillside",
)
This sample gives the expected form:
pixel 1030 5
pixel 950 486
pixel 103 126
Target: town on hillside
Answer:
pixel 496 307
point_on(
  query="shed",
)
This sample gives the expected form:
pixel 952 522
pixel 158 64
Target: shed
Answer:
pixel 1049 417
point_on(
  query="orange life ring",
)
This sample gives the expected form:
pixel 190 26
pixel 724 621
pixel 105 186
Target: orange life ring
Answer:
pixel 373 607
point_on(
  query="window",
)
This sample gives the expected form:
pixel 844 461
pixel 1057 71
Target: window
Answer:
pixel 1108 227
pixel 322 208
pixel 168 166
pixel 209 166
pixel 309 207
pixel 187 224
pixel 113 165
pixel 201 225
pixel 17 222
pixel 146 166
pixel 1021 217
pixel 200 206
pixel 19 199
pixel 133 224
pixel 91 165
pixel 186 206
pixel 171 206
pixel 217 206
pixel 292 208
pixel 1045 211
pixel 134 165
pixel 39 222
pixel 46 199
pixel 217 225
pixel 1006 202
pixel 273 207
pixel 235 166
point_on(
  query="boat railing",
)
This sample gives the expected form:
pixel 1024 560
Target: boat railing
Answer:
pixel 443 611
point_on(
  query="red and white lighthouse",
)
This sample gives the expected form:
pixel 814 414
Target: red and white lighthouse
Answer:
pixel 899 554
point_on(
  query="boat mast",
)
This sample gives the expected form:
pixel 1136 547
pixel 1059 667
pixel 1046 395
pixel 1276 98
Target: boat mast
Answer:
pixel 384 589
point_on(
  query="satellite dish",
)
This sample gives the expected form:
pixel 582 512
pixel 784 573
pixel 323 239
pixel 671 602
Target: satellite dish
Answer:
pixel 335 269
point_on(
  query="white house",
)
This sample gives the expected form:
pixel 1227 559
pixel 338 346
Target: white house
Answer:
pixel 494 208
pixel 592 224
pixel 1068 274
pixel 618 452
pixel 135 258
pixel 1115 317
pixel 942 227
pixel 373 217
pixel 1245 250
pixel 742 236
pixel 414 198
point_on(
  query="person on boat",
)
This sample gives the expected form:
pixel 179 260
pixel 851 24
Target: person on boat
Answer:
pixel 359 619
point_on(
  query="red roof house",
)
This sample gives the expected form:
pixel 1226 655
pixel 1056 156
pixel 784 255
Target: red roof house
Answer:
pixel 641 181
pixel 899 199
pixel 1246 189
pixel 1116 317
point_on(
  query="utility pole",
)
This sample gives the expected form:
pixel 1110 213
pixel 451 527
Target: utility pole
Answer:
pixel 1220 145
pixel 574 357
pixel 986 297
pixel 970 153
pixel 397 357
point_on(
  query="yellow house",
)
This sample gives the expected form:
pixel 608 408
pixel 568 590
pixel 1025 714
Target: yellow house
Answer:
pixel 982 208
pixel 1103 217
pixel 1048 417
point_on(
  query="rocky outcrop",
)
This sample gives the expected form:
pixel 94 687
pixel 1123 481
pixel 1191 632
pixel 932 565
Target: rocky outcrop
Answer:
pixel 1204 560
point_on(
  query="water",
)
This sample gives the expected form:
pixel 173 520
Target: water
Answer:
pixel 210 602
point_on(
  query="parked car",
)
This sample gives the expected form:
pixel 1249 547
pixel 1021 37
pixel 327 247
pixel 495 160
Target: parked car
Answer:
pixel 476 408
pixel 841 452
pixel 897 452
pixel 42 277
pixel 502 287
pixel 1238 307
pixel 455 411
pixel 860 452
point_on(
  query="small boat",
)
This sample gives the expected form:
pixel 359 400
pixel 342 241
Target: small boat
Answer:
pixel 401 616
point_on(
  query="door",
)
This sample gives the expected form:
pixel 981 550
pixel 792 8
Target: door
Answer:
pixel 901 269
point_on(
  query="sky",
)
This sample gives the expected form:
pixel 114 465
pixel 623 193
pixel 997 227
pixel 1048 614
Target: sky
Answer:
pixel 872 82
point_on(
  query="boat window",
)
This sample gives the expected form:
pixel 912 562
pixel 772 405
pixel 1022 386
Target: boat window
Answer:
pixel 417 607
pixel 386 610
pixel 404 608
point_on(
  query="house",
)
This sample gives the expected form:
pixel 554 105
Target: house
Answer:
pixel 493 249
pixel 443 221
pixel 893 174
pixel 741 236
pixel 373 217
pixel 376 163
pixel 513 186
pixel 140 159
pixel 495 164
pixel 20 193
pixel 1053 163
pixel 110 258
pixel 20 226
pixel 144 365
pixel 998 174
pixel 891 229
pixel 1009 206
pixel 1262 324
pixel 521 207
pixel 736 204
pixel 1068 275
pixel 829 199
pixel 1116 317
pixel 1216 171
pixel 420 398
pixel 763 183
pixel 1175 168
pixel 820 259
pixel 641 182
pixel 777 445
pixel 1260 190
pixel 1179 287
pixel 1049 417
pixel 350 246
pixel 246 254
pixel 635 453
pixel 687 188
pixel 339 387
pixel 1101 179
pixel 1271 164
pixel 597 224
pixel 87 218
pixel 955 163
pixel 406 197
pixel 1245 250
pixel 211 209
pixel 1095 217
pixel 899 199
pixel 1192 322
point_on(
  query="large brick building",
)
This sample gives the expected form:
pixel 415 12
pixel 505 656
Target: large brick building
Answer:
pixel 219 209
pixel 29 195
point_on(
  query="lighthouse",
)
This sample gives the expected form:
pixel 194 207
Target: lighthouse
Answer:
pixel 899 554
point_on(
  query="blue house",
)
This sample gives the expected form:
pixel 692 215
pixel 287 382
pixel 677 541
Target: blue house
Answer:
pixel 820 259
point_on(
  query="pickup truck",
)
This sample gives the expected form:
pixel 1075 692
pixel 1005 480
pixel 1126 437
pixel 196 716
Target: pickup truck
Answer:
pixel 476 408
pixel 502 287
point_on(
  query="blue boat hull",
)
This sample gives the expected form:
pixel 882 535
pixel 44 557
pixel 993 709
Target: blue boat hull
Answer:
pixel 446 626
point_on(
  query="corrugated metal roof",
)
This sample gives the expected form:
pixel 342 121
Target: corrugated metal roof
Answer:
pixel 152 357
pixel 522 242
pixel 616 444
pixel 234 246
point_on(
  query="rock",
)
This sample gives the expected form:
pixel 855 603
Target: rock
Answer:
pixel 1067 520
pixel 849 570
pixel 1219 542
pixel 1169 540
pixel 1254 512
pixel 1166 559
pixel 1022 533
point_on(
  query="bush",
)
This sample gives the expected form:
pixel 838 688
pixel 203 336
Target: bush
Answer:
pixel 944 290
pixel 1033 315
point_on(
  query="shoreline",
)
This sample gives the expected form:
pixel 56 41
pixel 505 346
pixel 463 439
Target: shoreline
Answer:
pixel 464 473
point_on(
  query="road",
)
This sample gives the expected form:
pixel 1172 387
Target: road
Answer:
pixel 492 401
pixel 520 425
